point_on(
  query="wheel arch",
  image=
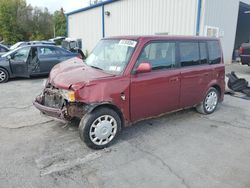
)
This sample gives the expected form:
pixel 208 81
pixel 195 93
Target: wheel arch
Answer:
pixel 8 72
pixel 110 106
pixel 218 88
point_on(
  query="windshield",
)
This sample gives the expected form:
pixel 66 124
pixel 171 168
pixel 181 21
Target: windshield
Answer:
pixel 111 56
pixel 8 53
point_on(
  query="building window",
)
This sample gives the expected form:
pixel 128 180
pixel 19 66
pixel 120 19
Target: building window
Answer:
pixel 211 31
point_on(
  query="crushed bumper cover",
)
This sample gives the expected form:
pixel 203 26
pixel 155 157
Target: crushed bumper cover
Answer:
pixel 65 113
pixel 49 111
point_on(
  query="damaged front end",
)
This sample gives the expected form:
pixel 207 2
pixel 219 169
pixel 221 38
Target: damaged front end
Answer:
pixel 60 104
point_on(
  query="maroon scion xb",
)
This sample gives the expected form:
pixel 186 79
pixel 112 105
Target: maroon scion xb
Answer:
pixel 130 78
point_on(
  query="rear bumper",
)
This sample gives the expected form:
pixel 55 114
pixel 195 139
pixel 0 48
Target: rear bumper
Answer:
pixel 52 112
pixel 245 59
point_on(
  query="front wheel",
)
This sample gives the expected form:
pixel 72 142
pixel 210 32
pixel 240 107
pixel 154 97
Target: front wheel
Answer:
pixel 4 76
pixel 210 102
pixel 99 128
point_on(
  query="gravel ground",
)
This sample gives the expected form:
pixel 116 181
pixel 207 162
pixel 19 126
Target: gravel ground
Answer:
pixel 184 149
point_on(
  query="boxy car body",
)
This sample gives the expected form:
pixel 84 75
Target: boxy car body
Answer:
pixel 158 74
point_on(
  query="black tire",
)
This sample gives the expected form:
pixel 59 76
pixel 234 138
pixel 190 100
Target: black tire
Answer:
pixel 5 75
pixel 203 108
pixel 87 122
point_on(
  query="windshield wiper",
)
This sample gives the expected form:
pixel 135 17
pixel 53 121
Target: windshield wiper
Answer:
pixel 96 67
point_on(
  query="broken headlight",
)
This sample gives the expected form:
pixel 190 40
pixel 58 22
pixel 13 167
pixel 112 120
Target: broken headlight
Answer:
pixel 69 95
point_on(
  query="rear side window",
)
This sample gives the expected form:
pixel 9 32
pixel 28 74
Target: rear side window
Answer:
pixel 203 53
pixel 214 52
pixel 47 51
pixel 161 55
pixel 189 54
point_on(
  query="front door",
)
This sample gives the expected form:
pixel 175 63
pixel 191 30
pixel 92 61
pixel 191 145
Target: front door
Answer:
pixel 18 62
pixel 158 91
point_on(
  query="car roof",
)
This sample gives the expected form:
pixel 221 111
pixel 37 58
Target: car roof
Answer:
pixel 39 45
pixel 162 37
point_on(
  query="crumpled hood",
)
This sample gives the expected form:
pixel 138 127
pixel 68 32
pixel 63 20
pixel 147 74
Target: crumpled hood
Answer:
pixel 74 72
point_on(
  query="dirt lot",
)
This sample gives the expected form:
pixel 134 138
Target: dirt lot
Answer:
pixel 184 149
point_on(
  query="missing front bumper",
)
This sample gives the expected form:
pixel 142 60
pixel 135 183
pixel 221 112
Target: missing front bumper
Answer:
pixel 66 113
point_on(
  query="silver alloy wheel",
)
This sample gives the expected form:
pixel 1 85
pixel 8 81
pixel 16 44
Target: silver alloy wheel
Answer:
pixel 103 130
pixel 2 75
pixel 211 101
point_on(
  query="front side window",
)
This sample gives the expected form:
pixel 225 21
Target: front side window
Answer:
pixel 161 55
pixel 214 52
pixel 111 55
pixel 21 54
pixel 189 54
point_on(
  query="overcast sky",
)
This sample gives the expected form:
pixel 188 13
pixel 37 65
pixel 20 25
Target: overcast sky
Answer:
pixel 52 5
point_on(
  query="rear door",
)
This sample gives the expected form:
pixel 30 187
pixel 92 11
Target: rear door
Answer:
pixel 48 56
pixel 155 92
pixel 195 72
pixel 18 62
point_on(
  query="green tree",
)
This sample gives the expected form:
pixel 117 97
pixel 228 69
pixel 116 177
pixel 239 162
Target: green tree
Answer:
pixel 9 12
pixel 21 22
pixel 59 19
pixel 42 24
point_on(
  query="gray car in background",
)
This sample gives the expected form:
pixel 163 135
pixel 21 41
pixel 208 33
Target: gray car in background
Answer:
pixel 31 60
pixel 25 43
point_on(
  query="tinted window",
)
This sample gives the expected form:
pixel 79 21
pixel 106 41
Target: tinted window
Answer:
pixel 160 55
pixel 203 53
pixel 214 52
pixel 189 54
pixel 63 51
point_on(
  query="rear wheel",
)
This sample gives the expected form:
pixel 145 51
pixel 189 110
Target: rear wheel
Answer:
pixel 99 128
pixel 4 76
pixel 210 102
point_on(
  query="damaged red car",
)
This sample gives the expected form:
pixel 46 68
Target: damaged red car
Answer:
pixel 127 79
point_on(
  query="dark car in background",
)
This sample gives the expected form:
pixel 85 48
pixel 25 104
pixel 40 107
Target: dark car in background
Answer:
pixel 3 49
pixel 245 54
pixel 32 60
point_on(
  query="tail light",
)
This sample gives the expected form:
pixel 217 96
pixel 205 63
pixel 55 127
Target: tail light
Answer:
pixel 241 51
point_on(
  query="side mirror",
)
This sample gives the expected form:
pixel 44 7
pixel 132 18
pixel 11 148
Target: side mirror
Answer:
pixel 144 67
pixel 9 57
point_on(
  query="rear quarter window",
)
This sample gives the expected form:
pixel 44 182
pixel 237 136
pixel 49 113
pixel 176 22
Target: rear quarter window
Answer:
pixel 214 52
pixel 203 53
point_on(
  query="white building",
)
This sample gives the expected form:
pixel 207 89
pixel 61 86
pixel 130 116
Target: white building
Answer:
pixel 227 19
